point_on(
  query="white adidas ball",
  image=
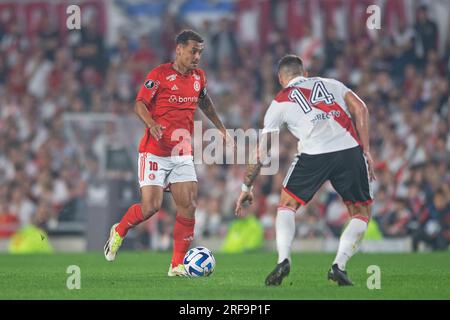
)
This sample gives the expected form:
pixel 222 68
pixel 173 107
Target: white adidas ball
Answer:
pixel 199 262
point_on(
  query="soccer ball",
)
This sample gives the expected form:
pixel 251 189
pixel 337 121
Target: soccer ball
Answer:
pixel 199 262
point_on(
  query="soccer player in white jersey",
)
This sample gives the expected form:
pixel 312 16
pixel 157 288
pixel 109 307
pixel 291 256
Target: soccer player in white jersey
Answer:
pixel 332 125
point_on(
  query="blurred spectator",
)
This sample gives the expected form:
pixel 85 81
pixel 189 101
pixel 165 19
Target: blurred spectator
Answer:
pixel 403 40
pixel 224 46
pixel 334 47
pixel 394 222
pixel 90 49
pixel 268 216
pixel 207 33
pixel 48 37
pixel 143 59
pixel 309 46
pixel 21 205
pixel 9 222
pixel 434 228
pixel 309 224
pixel 336 215
pixel 426 34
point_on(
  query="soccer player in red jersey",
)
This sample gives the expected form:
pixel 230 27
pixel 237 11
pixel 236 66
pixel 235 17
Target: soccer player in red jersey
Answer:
pixel 166 103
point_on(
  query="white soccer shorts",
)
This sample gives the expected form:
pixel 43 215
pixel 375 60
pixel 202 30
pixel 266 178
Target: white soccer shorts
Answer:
pixel 162 171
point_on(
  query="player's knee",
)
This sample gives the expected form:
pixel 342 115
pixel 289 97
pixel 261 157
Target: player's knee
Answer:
pixel 362 212
pixel 189 209
pixel 288 203
pixel 149 209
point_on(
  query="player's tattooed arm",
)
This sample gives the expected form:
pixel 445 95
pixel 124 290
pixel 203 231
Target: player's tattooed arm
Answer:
pixel 207 106
pixel 258 159
pixel 251 173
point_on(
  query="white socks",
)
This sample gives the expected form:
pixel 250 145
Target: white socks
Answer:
pixel 348 244
pixel 285 232
pixel 350 239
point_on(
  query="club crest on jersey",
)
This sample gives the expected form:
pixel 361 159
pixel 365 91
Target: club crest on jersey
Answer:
pixel 149 84
pixel 197 86
pixel 171 77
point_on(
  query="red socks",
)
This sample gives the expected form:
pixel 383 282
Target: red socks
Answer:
pixel 183 234
pixel 132 218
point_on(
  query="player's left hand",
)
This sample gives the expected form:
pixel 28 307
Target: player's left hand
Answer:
pixel 245 196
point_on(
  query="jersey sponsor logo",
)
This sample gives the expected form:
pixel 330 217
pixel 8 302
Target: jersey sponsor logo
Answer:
pixel 174 87
pixel 174 99
pixel 149 84
pixel 326 116
pixel 171 77
pixel 197 86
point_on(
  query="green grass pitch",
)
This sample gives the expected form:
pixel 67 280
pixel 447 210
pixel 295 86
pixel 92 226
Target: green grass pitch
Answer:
pixel 143 275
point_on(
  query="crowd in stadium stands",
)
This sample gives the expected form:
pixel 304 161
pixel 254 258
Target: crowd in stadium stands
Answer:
pixel 399 74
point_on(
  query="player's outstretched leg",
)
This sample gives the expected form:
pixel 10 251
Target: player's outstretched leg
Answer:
pixel 349 243
pixel 132 217
pixel 151 200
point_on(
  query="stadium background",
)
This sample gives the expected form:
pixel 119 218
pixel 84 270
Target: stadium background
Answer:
pixel 68 133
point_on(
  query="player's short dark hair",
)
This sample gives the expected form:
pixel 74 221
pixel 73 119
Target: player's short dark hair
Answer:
pixel 292 64
pixel 184 36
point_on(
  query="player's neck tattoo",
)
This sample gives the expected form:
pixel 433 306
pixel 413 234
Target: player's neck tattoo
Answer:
pixel 177 67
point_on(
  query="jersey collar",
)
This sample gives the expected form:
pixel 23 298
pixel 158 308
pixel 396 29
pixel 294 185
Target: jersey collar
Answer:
pixel 299 78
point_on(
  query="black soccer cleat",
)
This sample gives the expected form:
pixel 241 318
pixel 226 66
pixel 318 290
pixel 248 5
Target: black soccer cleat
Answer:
pixel 276 276
pixel 337 275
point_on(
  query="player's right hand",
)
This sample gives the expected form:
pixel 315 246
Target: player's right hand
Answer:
pixel 156 130
pixel 245 196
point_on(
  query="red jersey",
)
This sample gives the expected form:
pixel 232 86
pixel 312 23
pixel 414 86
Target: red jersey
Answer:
pixel 171 98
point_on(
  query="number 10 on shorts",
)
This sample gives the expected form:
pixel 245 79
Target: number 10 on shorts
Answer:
pixel 153 166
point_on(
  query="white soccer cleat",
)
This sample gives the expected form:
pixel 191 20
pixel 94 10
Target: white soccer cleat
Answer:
pixel 113 244
pixel 178 271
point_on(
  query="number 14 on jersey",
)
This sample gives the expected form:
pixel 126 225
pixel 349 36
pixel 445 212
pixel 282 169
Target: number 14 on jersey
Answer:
pixel 319 94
